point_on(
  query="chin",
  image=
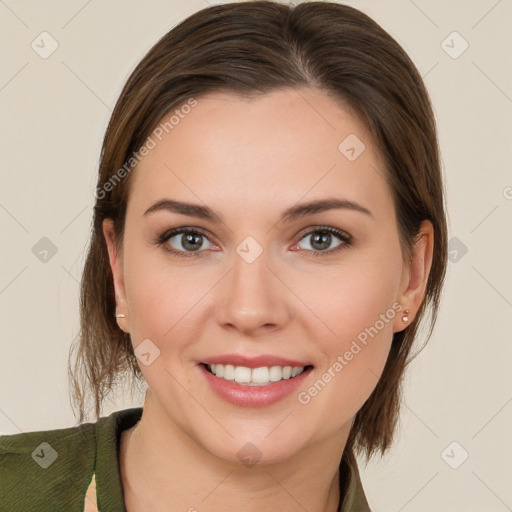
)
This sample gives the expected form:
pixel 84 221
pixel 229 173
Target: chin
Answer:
pixel 255 452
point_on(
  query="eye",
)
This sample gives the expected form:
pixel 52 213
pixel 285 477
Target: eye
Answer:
pixel 184 242
pixel 323 237
pixel 188 242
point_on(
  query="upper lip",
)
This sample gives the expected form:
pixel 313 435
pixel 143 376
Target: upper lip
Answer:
pixel 253 361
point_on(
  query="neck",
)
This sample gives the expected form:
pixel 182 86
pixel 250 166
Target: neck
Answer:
pixel 162 468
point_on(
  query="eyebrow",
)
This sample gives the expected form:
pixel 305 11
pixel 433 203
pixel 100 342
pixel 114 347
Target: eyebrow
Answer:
pixel 295 212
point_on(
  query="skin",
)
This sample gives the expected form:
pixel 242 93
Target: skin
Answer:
pixel 249 160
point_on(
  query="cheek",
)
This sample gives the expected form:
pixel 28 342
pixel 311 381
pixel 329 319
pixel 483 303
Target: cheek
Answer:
pixel 361 312
pixel 165 299
pixel 164 304
pixel 355 296
pixel 159 299
pixel 369 307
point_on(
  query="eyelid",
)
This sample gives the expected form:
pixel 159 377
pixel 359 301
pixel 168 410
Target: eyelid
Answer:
pixel 342 234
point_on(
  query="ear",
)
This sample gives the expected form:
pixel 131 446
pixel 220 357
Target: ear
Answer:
pixel 415 276
pixel 116 265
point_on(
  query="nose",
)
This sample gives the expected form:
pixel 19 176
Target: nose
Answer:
pixel 252 299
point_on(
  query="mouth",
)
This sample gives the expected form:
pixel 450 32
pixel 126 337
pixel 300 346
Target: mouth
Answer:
pixel 260 376
pixel 254 380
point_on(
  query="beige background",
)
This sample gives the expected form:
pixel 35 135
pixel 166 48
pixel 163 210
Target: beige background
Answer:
pixel 55 111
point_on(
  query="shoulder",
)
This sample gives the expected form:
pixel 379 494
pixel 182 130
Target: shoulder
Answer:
pixel 59 469
pixel 46 468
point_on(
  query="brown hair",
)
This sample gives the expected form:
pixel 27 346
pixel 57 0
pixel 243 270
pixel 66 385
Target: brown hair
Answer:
pixel 250 48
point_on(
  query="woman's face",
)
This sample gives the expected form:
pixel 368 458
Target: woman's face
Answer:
pixel 245 288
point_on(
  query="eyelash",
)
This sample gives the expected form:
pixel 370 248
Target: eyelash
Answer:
pixel 345 238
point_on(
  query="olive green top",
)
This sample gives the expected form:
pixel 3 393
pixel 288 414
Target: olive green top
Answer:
pixel 76 469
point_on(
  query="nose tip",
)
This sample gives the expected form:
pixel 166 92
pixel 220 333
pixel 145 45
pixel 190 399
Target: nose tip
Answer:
pixel 252 297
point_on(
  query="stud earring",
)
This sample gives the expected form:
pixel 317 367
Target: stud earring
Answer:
pixel 405 318
pixel 118 316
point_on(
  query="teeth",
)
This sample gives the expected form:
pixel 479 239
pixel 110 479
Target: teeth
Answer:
pixel 229 371
pixel 243 375
pixel 259 375
pixel 255 376
pixel 275 374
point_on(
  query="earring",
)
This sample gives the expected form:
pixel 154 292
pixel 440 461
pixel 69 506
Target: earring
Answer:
pixel 405 318
pixel 118 316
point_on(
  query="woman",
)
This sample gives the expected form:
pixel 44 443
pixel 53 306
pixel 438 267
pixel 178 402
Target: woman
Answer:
pixel 269 231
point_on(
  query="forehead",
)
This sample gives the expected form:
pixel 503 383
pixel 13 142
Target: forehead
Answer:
pixel 279 146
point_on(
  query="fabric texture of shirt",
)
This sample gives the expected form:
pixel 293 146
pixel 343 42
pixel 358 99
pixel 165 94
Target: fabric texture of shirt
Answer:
pixel 76 469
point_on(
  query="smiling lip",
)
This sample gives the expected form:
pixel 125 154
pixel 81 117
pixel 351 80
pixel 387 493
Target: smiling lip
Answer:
pixel 254 362
pixel 253 396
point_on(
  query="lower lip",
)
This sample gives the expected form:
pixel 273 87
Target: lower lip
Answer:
pixel 253 396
